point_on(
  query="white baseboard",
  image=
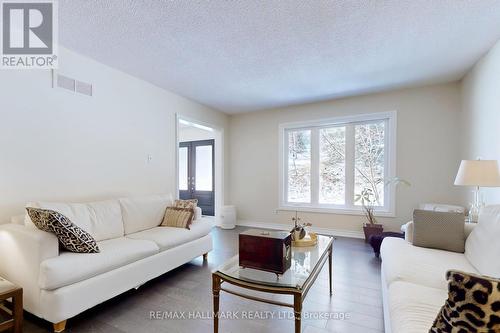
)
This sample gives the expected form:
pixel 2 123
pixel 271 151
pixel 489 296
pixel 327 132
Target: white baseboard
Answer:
pixel 325 231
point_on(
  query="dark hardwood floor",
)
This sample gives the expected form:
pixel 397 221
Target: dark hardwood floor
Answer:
pixel 357 299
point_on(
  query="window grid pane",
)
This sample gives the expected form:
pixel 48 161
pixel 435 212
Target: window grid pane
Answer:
pixel 203 167
pixel 339 165
pixel 332 151
pixel 369 164
pixel 183 169
pixel 299 166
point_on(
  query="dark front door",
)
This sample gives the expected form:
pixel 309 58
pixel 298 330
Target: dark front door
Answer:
pixel 196 173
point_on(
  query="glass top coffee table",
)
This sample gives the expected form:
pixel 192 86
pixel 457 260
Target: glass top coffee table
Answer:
pixel 307 263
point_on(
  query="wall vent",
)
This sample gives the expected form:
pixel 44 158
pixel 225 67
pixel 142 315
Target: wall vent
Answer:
pixel 65 82
pixel 83 88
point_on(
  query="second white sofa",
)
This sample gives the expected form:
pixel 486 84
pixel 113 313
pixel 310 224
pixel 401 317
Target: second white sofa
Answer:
pixel 414 287
pixel 134 249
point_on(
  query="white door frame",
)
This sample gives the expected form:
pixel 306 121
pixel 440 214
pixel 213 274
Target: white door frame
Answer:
pixel 219 159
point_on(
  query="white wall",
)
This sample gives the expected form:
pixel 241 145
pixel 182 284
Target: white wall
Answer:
pixel 194 134
pixel 481 115
pixel 427 153
pixel 57 145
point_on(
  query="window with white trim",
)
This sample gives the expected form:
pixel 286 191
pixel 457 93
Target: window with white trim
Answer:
pixel 337 164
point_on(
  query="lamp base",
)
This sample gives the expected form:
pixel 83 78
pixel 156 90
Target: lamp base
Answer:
pixel 473 216
pixel 475 207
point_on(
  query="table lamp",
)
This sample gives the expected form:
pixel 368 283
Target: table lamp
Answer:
pixel 477 173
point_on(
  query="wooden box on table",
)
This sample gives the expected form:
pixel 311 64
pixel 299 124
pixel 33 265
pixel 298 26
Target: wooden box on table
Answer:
pixel 265 250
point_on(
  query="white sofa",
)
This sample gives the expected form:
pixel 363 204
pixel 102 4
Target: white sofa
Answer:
pixel 59 284
pixel 413 278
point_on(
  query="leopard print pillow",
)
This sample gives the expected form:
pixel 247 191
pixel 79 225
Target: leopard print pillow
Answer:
pixel 473 305
pixel 70 236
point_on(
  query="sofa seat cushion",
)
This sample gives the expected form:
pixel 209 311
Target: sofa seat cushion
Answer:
pixel 69 268
pixel 401 261
pixel 169 237
pixel 413 308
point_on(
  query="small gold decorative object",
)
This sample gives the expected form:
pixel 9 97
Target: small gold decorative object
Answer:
pixel 301 237
pixel 299 230
pixel 311 239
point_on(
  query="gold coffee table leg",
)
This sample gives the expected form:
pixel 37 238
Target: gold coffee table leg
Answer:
pixel 216 294
pixel 330 268
pixel 17 301
pixel 297 310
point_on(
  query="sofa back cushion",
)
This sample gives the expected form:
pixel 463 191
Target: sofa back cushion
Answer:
pixel 107 220
pixel 102 220
pixel 70 236
pixel 482 247
pixel 78 213
pixel 141 213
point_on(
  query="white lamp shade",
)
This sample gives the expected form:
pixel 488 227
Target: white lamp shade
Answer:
pixel 478 173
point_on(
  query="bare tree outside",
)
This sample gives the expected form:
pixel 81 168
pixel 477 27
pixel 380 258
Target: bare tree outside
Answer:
pixel 369 163
pixel 299 166
pixel 332 165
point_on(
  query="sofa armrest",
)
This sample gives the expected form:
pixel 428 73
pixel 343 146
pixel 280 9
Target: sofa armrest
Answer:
pixel 408 230
pixel 197 213
pixel 22 249
pixel 18 219
pixel 468 228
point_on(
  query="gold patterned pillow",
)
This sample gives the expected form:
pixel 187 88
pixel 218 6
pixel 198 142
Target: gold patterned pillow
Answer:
pixel 473 305
pixel 178 217
pixel 190 203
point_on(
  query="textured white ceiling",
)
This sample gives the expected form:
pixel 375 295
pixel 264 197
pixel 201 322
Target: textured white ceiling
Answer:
pixel 245 55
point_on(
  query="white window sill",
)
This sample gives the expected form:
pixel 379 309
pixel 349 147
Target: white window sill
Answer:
pixel 338 211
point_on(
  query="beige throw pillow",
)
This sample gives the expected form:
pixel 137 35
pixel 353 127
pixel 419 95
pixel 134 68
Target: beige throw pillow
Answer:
pixel 190 203
pixel 439 230
pixel 178 217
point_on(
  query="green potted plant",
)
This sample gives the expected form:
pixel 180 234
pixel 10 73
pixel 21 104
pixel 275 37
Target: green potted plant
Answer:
pixel 368 199
pixel 371 227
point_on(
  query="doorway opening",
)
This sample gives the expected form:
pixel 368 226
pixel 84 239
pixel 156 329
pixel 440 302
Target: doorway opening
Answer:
pixel 197 173
pixel 199 165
